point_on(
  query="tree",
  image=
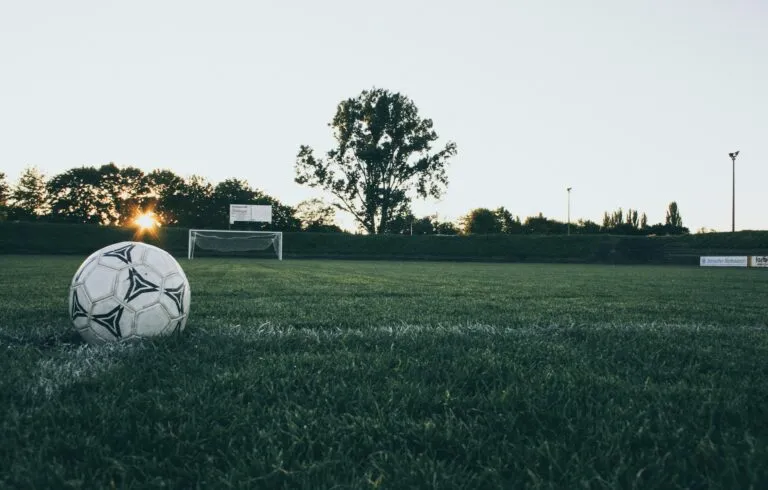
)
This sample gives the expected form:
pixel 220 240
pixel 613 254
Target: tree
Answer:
pixel 382 158
pixel 446 228
pixel 316 215
pixel 29 198
pixel 5 191
pixel 124 191
pixel 620 223
pixel 509 224
pixel 674 221
pixel 607 223
pixel 632 219
pixel 227 192
pixel 423 226
pixel 481 221
pixel 541 224
pixel 164 187
pixel 75 196
pixel 586 227
pixel 673 218
pixel 192 203
pixel 107 195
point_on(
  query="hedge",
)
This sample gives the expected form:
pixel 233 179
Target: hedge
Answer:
pixel 55 238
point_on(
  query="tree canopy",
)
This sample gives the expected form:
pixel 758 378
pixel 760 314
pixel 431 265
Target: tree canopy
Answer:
pixel 29 198
pixel 383 158
pixel 111 195
pixel 316 215
pixel 481 221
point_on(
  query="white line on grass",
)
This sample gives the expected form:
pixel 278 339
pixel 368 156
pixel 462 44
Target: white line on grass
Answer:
pixel 77 363
pixel 270 330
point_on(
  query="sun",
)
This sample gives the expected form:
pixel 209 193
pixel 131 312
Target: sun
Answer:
pixel 146 221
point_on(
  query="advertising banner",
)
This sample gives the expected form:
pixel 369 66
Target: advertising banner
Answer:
pixel 250 212
pixel 724 261
pixel 758 261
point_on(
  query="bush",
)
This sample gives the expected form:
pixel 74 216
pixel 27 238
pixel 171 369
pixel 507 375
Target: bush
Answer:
pixel 79 239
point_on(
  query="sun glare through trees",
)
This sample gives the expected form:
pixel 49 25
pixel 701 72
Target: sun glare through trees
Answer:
pixel 146 221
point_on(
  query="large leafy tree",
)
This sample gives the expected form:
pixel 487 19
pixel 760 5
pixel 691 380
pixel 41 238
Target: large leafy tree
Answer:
pixel 192 203
pixel 29 198
pixel 123 191
pixel 75 196
pixel 106 195
pixel 383 157
pixel 184 202
pixel 164 187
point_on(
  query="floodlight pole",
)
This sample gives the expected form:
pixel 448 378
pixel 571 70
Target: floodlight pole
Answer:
pixel 733 191
pixel 569 209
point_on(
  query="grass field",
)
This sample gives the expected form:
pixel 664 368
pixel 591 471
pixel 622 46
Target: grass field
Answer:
pixel 330 374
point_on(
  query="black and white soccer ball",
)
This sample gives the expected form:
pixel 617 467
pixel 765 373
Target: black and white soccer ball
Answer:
pixel 128 291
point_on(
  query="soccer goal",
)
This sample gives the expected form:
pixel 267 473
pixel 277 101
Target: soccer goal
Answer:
pixel 235 242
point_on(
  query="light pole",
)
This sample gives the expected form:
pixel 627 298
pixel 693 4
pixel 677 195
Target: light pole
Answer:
pixel 733 192
pixel 569 209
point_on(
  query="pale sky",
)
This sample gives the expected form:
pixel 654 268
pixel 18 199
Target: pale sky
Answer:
pixel 632 103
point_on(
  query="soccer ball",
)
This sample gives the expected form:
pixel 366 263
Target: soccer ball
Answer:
pixel 127 291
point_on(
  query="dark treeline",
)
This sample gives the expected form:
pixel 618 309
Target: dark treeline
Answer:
pixel 483 220
pixel 110 195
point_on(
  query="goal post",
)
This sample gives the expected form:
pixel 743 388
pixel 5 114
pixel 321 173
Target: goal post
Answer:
pixel 235 241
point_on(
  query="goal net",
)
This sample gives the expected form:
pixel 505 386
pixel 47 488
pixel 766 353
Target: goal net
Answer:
pixel 239 243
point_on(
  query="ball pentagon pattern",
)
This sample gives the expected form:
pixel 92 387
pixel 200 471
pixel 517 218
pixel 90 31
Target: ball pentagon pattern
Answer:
pixel 128 291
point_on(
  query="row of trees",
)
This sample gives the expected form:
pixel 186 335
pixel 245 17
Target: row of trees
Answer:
pixel 384 157
pixel 110 195
pixel 483 220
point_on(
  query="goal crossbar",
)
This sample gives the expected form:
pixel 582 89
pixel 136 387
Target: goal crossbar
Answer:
pixel 234 241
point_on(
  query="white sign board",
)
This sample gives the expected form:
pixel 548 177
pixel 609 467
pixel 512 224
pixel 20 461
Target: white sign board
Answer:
pixel 724 261
pixel 250 212
pixel 758 261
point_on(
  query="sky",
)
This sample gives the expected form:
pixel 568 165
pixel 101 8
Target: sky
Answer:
pixel 633 104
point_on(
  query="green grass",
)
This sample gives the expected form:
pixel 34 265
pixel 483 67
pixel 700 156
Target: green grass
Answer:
pixel 329 374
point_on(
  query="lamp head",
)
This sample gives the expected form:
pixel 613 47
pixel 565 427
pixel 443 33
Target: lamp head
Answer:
pixel 734 154
pixel 569 189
